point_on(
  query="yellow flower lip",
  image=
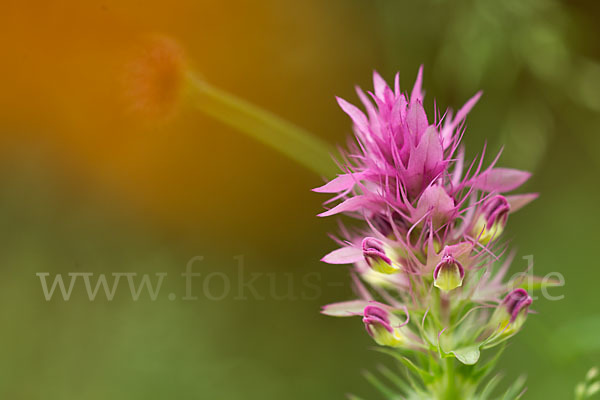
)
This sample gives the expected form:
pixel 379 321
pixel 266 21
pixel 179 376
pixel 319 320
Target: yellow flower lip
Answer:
pixel 448 274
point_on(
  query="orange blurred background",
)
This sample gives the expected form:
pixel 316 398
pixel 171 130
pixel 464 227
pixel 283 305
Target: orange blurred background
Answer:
pixel 64 96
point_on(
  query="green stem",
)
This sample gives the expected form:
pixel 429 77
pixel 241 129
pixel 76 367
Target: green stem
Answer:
pixel 450 380
pixel 264 126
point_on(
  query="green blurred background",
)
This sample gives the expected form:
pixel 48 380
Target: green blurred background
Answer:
pixel 86 187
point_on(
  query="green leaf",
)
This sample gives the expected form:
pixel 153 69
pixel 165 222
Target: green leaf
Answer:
pixel 516 389
pixel 394 378
pixel 425 376
pixel 489 388
pixel 379 385
pixel 467 355
pixel 483 371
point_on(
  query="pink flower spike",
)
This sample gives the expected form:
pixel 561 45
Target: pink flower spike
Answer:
pixel 428 238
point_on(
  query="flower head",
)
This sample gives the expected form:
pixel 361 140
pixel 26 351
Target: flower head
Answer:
pixel 399 151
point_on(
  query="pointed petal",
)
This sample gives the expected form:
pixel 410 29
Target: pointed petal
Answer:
pixel 460 249
pixel 371 112
pixel 428 153
pixel 352 204
pixel 345 308
pixel 462 113
pixel 451 124
pixel 435 201
pixel 397 84
pixel 423 160
pixel 458 166
pixel 357 116
pixel 518 201
pixel 379 85
pixel 344 255
pixel 398 112
pixel 417 94
pixel 340 183
pixel 416 119
pixel 501 180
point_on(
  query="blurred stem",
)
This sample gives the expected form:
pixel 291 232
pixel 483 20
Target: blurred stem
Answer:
pixel 445 308
pixel 264 126
pixel 450 380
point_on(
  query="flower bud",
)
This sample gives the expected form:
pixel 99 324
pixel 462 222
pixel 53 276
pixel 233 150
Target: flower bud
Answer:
pixel 377 323
pixel 448 274
pixel 491 220
pixel 376 256
pixel 512 312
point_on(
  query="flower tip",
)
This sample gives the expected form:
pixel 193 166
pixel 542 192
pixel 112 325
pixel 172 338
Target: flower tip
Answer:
pixel 359 92
pixel 379 84
pixel 417 95
pixel 472 101
pixel 341 102
pixel 420 72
